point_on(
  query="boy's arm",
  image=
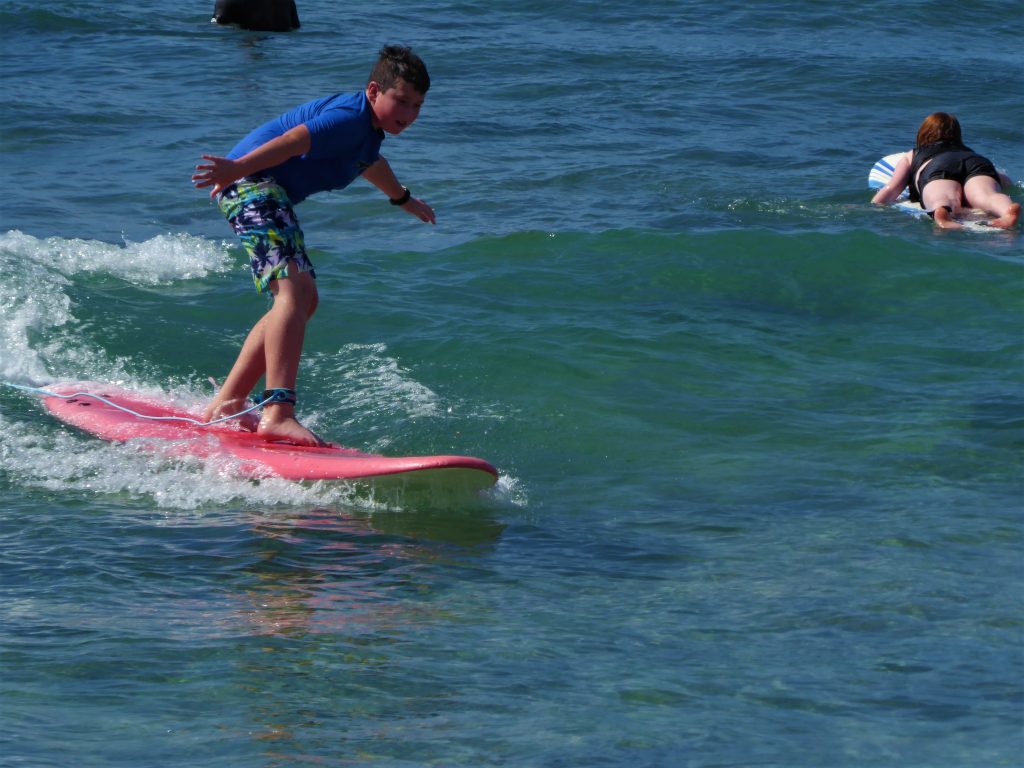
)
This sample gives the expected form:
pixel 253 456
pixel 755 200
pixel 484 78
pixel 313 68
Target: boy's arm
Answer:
pixel 383 178
pixel 221 172
pixel 900 179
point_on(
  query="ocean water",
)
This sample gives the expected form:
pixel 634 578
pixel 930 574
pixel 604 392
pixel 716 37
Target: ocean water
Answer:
pixel 760 443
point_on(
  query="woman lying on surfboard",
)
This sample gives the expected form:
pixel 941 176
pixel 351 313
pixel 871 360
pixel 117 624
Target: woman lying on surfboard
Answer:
pixel 945 176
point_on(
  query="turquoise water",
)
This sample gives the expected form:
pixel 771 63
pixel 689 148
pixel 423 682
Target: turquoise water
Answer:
pixel 760 444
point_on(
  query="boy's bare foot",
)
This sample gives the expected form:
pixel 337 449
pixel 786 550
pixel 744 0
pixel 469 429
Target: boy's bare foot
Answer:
pixel 1008 219
pixel 218 409
pixel 285 427
pixel 945 219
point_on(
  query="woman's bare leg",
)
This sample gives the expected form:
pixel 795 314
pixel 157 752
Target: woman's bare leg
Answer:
pixel 942 196
pixel 986 193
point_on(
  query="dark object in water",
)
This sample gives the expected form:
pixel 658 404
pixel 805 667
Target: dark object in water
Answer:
pixel 258 15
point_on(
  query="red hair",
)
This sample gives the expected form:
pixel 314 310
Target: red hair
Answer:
pixel 939 126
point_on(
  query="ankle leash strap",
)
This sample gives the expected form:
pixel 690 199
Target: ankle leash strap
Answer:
pixel 278 395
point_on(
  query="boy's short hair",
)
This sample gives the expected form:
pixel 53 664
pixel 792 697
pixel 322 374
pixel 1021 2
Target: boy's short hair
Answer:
pixel 396 63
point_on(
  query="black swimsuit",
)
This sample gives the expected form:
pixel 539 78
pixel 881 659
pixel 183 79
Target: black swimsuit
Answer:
pixel 949 160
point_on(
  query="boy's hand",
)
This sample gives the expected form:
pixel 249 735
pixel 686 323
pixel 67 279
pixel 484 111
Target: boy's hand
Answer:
pixel 420 210
pixel 219 173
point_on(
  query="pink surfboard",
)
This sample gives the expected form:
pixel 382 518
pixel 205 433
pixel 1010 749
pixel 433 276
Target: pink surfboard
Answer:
pixel 100 410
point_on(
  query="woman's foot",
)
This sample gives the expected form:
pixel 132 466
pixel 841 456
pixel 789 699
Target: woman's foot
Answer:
pixel 944 218
pixel 1008 219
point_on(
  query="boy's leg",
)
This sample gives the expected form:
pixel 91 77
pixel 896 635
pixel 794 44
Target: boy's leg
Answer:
pixel 284 328
pixel 986 193
pixel 248 369
pixel 250 366
pixel 261 214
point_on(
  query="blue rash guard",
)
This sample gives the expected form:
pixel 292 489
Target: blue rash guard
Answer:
pixel 344 143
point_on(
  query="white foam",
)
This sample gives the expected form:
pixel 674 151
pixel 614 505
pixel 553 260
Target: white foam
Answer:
pixel 162 259
pixel 510 490
pixel 368 382
pixel 35 294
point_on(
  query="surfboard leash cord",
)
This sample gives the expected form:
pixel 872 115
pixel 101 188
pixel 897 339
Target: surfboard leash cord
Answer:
pixel 105 401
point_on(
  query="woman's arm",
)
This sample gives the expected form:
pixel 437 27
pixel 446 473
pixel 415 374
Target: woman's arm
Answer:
pixel 898 182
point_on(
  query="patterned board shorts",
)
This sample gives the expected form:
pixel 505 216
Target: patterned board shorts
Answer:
pixel 259 211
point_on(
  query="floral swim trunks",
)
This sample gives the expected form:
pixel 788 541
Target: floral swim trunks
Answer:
pixel 259 211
